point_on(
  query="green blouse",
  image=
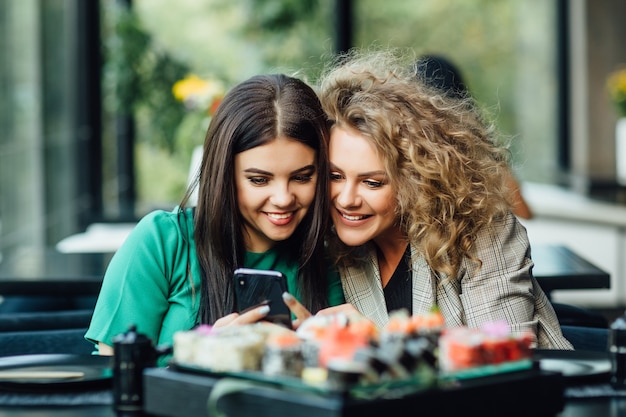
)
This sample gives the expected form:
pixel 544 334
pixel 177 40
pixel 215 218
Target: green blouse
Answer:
pixel 148 284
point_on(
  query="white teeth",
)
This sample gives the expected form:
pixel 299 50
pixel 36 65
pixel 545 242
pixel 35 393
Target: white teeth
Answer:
pixel 279 216
pixel 352 218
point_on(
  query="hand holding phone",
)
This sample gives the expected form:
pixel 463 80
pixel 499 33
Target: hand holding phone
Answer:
pixel 256 287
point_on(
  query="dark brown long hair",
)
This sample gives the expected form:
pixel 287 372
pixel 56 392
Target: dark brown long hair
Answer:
pixel 252 114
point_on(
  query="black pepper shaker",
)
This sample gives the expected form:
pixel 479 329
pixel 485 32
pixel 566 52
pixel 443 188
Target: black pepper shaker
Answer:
pixel 617 349
pixel 132 353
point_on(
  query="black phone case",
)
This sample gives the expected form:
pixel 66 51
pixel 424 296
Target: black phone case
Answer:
pixel 254 287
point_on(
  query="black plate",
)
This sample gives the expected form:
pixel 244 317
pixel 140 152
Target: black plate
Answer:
pixel 576 365
pixel 97 372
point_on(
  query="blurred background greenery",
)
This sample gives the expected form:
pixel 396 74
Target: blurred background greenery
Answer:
pixel 151 45
pixel 90 130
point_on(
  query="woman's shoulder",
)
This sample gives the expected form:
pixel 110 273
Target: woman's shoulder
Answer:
pixel 503 225
pixel 177 216
pixel 166 223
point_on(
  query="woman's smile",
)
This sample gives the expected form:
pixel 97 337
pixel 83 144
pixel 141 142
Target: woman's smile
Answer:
pixel 275 187
pixel 352 218
pixel 280 219
pixel 364 202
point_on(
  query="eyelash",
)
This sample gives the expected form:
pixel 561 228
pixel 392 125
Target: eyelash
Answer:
pixel 369 183
pixel 258 180
pixel 301 178
pixel 374 184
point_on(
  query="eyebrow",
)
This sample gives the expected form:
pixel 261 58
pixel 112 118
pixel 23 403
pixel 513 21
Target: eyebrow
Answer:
pixel 362 174
pixel 306 168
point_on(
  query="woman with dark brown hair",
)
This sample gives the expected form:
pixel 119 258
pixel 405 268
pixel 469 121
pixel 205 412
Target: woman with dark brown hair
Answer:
pixel 262 203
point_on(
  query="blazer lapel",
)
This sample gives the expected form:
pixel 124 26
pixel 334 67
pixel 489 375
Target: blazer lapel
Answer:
pixel 428 292
pixel 424 286
pixel 363 289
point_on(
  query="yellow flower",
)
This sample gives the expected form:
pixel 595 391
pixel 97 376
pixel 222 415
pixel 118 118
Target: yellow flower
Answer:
pixel 616 85
pixel 198 93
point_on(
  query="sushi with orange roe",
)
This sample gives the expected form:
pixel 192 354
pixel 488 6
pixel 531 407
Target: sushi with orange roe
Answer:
pixel 283 355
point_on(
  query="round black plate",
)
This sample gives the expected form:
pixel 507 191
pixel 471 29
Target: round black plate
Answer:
pixel 576 365
pixel 96 369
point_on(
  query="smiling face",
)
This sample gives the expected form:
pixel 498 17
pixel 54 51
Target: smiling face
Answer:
pixel 363 200
pixel 275 188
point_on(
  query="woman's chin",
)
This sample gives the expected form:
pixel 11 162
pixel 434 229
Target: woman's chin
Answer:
pixel 352 239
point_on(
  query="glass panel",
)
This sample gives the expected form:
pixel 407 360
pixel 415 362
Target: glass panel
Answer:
pixel 505 49
pixel 57 170
pixel 38 139
pixel 206 39
pixel 21 202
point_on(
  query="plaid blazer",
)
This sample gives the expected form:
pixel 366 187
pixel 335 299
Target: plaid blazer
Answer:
pixel 502 289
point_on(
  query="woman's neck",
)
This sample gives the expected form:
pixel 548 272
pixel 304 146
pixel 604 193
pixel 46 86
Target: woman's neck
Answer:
pixel 391 247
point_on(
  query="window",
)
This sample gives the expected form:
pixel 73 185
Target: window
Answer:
pixel 48 125
pixel 506 50
pixel 62 165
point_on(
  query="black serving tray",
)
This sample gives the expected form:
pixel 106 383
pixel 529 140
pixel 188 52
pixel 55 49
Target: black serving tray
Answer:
pixel 170 392
pixel 418 382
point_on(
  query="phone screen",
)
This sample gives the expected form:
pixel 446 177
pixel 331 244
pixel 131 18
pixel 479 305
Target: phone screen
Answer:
pixel 254 287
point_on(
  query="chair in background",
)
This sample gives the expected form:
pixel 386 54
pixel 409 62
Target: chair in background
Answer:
pixel 587 338
pixel 66 341
pixel 52 320
pixel 585 329
pixel 570 315
pixel 45 332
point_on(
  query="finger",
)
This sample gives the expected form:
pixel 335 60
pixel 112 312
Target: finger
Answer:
pixel 347 309
pixel 253 315
pixel 226 320
pixel 295 324
pixel 264 303
pixel 332 310
pixel 296 308
pixel 250 316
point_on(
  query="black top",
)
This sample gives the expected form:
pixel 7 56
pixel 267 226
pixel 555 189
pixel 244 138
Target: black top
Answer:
pixel 398 291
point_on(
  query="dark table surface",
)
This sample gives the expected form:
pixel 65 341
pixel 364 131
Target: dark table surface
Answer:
pixel 597 399
pixel 51 273
pixel 603 407
pixel 559 268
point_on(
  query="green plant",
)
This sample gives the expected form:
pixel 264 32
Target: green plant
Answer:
pixel 616 85
pixel 138 76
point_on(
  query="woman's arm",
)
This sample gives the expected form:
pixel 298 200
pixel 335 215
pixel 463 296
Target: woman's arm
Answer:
pixel 504 288
pixel 104 350
pixel 139 283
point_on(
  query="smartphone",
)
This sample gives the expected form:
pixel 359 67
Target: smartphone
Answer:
pixel 256 287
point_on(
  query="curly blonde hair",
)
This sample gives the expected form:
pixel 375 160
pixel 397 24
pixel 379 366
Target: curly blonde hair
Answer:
pixel 439 153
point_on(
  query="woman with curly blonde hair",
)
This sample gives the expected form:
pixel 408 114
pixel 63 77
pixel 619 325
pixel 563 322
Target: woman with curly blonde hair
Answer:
pixel 421 212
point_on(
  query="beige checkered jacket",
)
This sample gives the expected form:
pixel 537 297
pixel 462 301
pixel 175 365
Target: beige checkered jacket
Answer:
pixel 503 288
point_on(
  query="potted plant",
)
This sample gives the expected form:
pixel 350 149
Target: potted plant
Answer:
pixel 616 85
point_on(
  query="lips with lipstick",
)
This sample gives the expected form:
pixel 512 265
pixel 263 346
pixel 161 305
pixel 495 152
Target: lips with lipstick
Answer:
pixel 353 217
pixel 280 218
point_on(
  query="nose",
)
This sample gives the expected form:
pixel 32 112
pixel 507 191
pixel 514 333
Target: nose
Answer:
pixel 346 195
pixel 282 196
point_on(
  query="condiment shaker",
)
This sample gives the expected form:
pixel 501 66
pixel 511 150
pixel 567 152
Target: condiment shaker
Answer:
pixel 132 353
pixel 617 349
